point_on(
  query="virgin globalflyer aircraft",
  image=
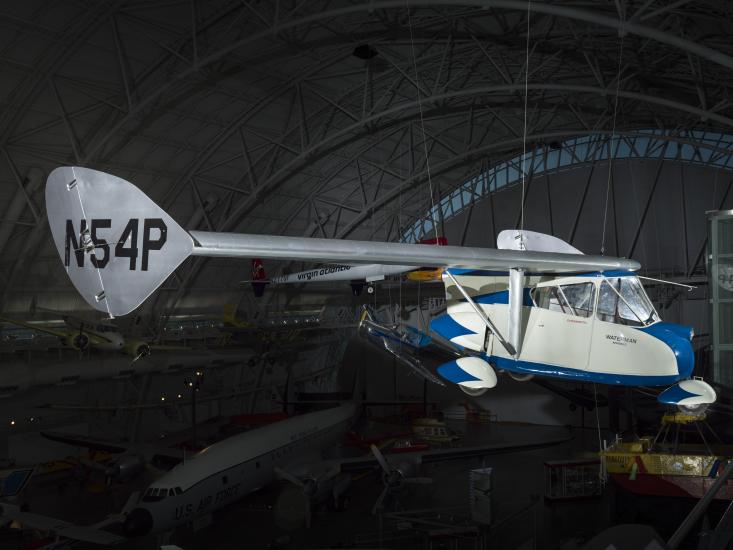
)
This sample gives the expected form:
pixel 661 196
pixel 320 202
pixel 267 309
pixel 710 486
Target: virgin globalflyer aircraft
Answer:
pixel 357 275
pixel 535 306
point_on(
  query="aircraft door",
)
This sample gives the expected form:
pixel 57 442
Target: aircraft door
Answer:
pixel 618 348
pixel 560 325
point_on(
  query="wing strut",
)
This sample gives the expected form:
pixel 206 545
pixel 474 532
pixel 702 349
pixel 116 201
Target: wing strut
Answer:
pixel 507 346
pixel 516 299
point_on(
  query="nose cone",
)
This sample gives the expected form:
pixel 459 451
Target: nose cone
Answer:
pixel 139 522
pixel 678 338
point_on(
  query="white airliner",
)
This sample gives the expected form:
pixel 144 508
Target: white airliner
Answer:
pixel 235 467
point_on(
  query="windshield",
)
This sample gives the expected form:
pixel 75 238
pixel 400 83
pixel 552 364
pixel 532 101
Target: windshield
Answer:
pixel 622 300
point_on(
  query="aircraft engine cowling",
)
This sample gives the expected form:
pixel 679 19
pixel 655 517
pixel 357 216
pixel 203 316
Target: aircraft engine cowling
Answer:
pixel 397 474
pixel 137 348
pixel 473 375
pixel 125 468
pixel 310 487
pixel 78 341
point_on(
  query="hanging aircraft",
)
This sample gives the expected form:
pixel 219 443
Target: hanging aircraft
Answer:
pixel 99 336
pixel 546 309
pixel 226 471
pixel 82 335
pixel 357 275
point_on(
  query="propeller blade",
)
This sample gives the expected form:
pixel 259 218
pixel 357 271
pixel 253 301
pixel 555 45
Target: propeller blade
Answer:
pixel 308 513
pixel 419 480
pixel 119 517
pixel 131 502
pixel 380 458
pixel 380 501
pixel 287 476
pixel 92 465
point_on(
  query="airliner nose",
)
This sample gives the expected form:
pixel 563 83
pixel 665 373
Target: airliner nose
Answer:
pixel 139 522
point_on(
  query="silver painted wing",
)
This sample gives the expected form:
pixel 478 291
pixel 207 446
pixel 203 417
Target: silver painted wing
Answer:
pixel 118 246
pixel 235 245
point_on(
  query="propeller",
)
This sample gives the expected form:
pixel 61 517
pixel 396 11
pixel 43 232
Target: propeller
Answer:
pixel 81 340
pixel 142 350
pixel 308 486
pixel 393 479
pixel 119 517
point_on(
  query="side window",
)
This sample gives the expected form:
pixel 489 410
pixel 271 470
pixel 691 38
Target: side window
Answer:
pixel 573 299
pixel 613 309
pixel 579 298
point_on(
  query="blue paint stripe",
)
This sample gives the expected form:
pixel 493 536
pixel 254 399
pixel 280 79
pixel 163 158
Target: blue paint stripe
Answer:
pixel 610 273
pixel 564 373
pixel 674 395
pixel 502 297
pixel 677 337
pixel 453 373
pixel 448 328
pixel 489 273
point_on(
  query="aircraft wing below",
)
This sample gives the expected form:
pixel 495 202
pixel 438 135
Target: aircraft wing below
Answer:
pixel 39 328
pixel 147 450
pixel 88 443
pixel 60 527
pixel 457 453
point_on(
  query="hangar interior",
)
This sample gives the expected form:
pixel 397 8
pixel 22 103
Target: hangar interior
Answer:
pixel 271 400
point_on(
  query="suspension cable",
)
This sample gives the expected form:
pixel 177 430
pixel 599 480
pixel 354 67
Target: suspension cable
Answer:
pixel 524 132
pixel 613 135
pixel 422 124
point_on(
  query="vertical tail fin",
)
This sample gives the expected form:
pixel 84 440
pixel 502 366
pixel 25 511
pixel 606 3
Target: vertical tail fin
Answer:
pixel 116 244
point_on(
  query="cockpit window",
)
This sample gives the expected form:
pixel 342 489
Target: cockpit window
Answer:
pixel 154 494
pixel 622 300
pixel 573 299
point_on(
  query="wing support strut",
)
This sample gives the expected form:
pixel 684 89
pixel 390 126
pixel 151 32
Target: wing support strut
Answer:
pixel 507 346
pixel 516 299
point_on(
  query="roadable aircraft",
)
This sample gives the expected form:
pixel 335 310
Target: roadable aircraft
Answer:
pixel 291 450
pixel 539 307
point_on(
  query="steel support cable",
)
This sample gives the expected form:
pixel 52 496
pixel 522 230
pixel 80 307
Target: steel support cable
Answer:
pixel 524 131
pixel 422 123
pixel 611 151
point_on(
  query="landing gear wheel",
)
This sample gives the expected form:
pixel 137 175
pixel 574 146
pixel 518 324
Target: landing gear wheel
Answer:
pixel 694 410
pixel 473 392
pixel 370 289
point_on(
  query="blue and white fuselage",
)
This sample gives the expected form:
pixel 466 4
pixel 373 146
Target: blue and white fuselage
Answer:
pixel 593 327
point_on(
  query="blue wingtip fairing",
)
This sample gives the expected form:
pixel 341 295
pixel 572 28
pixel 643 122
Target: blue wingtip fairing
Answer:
pixel 453 373
pixel 673 395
